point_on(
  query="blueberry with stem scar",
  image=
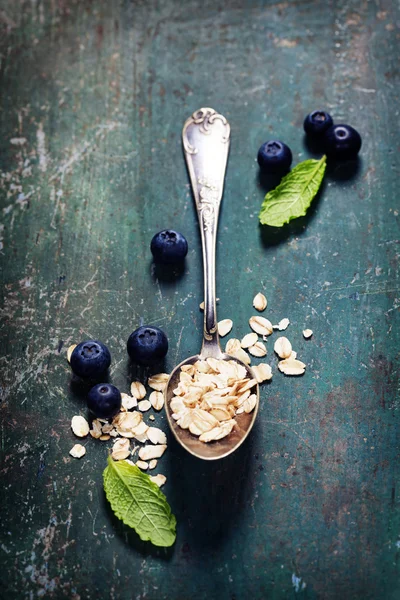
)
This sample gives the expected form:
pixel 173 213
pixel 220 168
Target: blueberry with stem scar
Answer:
pixel 147 345
pixel 168 247
pixel 274 157
pixel 90 359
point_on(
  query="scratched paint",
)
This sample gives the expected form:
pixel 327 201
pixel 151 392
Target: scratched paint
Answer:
pixel 91 168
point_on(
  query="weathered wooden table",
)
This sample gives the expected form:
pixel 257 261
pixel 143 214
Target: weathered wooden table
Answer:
pixel 94 95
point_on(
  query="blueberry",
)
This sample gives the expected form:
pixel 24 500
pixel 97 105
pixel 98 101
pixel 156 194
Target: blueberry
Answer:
pixel 147 345
pixel 169 247
pixel 274 156
pixel 342 142
pixel 104 401
pixel 90 359
pixel 316 123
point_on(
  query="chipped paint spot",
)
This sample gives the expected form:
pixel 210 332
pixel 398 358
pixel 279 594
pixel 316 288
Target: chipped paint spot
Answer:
pixel 41 148
pixel 297 583
pixel 26 282
pixel 284 43
pixel 18 141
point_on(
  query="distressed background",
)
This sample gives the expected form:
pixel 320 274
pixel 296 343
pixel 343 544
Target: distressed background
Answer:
pixel 94 95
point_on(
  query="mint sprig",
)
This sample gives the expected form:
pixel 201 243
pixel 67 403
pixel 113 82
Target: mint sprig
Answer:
pixel 139 503
pixel 293 196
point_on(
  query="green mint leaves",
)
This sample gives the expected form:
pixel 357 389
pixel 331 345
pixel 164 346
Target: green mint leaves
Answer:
pixel 139 503
pixel 293 196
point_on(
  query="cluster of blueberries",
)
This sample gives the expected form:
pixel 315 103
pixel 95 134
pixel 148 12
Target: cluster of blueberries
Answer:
pixel 147 345
pixel 339 142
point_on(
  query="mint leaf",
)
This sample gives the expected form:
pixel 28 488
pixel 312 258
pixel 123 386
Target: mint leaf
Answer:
pixel 292 197
pixel 139 503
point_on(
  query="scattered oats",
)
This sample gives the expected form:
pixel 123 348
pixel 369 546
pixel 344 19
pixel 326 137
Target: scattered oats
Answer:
pixel 283 347
pixel 157 400
pixel 130 462
pixel 307 333
pixel 282 325
pixel 261 325
pixel 121 444
pixel 69 352
pixel 258 349
pixel 152 418
pixel 158 479
pixel 142 465
pixel 121 449
pixel 107 427
pixel 131 425
pixel 78 451
pixel 149 452
pixel 291 366
pixel 126 433
pixel 142 437
pixel 138 390
pixel 127 423
pixel 79 426
pixel 232 346
pixel 96 431
pixel 153 464
pixel 158 382
pixel 293 354
pixel 128 402
pixel 144 405
pixel 262 372
pixel 140 429
pixel 260 302
pixel 249 340
pixel 105 437
pixel 156 436
pixel 224 327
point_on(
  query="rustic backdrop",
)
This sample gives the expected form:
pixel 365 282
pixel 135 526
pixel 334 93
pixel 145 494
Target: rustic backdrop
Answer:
pixel 94 95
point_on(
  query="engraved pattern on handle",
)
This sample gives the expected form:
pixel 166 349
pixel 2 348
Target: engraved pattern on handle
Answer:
pixel 206 139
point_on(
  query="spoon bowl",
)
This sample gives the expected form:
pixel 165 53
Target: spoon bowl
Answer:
pixel 220 448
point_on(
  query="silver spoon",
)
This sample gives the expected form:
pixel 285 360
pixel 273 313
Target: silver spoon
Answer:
pixel 206 138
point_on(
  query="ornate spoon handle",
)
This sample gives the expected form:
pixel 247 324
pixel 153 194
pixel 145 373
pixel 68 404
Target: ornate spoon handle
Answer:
pixel 206 141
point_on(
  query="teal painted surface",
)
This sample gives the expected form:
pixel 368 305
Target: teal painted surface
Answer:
pixel 94 95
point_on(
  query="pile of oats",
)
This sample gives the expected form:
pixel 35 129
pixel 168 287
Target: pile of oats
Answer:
pixel 129 427
pixel 209 395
